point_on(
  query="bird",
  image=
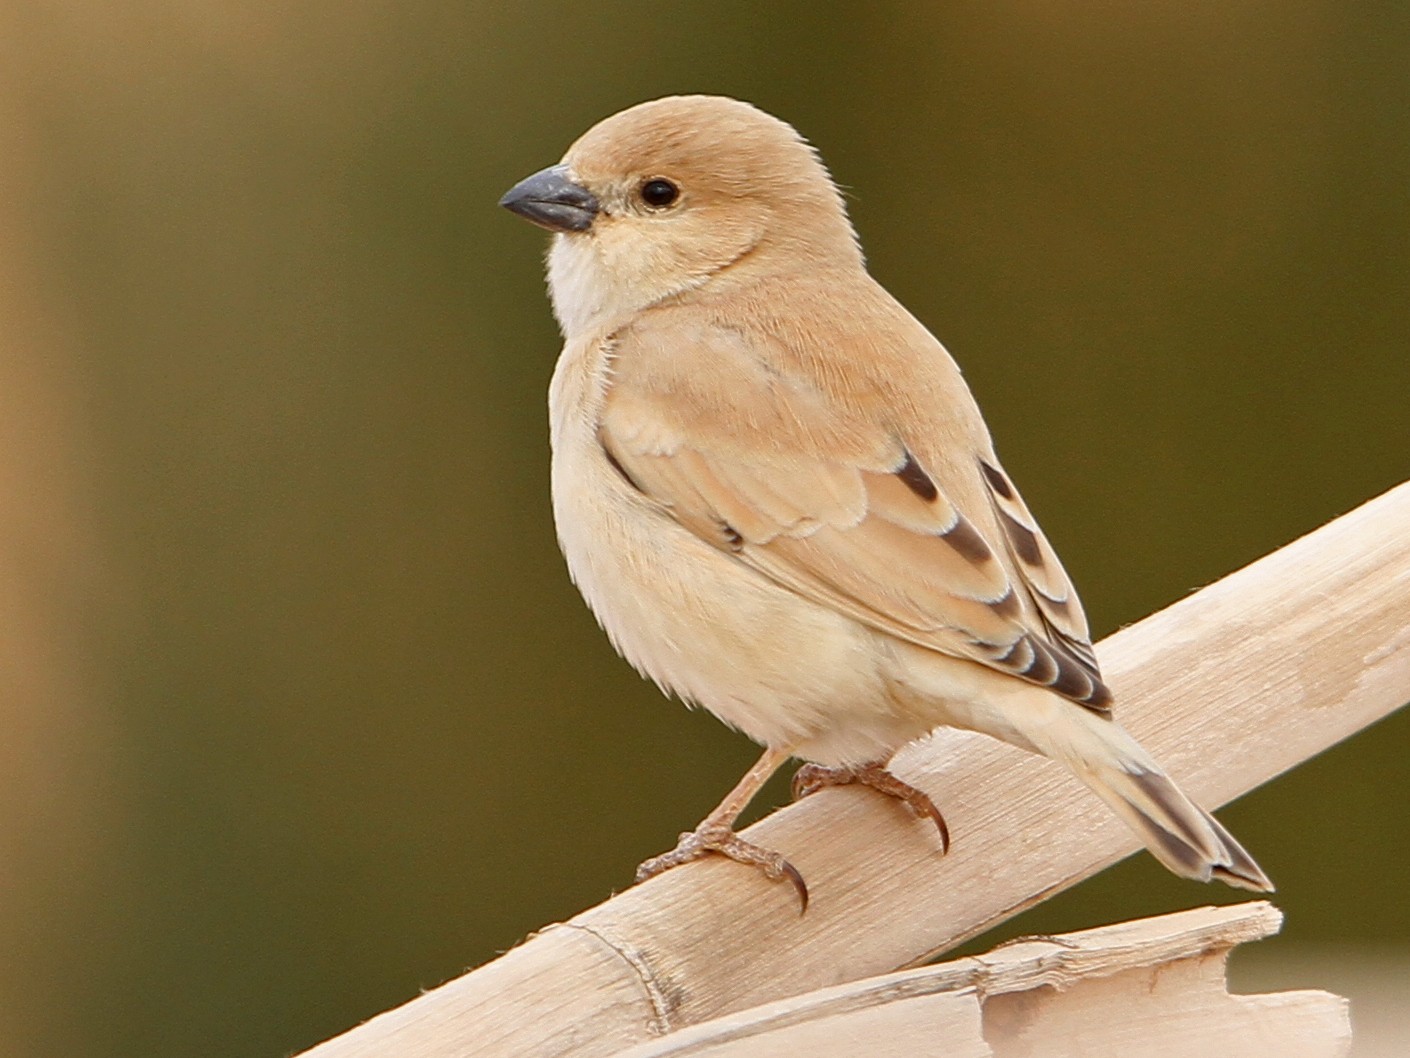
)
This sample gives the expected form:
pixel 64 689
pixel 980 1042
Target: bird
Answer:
pixel 778 497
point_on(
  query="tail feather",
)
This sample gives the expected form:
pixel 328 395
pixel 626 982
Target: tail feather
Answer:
pixel 1180 834
pixel 1241 870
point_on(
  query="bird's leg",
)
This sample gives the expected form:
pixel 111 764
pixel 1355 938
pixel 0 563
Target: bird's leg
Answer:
pixel 811 778
pixel 716 834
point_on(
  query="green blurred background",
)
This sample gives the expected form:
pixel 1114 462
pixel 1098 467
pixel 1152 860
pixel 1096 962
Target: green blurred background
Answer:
pixel 302 714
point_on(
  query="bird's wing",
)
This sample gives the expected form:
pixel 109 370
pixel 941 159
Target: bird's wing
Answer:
pixel 827 499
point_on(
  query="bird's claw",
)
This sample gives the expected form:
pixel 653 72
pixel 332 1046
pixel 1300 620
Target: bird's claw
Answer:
pixel 720 839
pixel 811 778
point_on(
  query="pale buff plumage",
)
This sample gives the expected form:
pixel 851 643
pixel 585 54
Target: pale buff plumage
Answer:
pixel 776 493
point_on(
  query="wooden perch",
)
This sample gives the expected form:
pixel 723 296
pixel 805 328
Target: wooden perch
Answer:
pixel 1154 988
pixel 1228 688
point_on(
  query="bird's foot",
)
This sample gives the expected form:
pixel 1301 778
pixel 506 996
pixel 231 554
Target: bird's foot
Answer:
pixel 811 778
pixel 719 838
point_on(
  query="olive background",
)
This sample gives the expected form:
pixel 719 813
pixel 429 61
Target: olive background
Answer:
pixel 301 712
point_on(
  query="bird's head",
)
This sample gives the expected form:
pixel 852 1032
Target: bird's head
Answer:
pixel 674 194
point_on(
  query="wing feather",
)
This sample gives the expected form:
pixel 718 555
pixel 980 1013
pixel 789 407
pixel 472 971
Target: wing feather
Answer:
pixel 831 502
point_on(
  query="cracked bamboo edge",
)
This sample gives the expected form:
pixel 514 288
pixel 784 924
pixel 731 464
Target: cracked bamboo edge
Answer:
pixel 1021 965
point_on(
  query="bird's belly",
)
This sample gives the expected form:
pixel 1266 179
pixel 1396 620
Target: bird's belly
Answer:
pixel 786 671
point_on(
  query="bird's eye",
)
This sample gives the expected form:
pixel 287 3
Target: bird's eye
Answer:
pixel 658 193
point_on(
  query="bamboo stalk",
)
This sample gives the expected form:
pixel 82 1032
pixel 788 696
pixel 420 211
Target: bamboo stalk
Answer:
pixel 1228 688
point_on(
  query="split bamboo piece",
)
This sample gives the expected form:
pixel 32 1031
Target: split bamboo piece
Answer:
pixel 1155 988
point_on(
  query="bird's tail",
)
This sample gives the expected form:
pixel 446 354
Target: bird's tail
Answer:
pixel 1179 833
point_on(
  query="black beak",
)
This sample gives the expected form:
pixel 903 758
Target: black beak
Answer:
pixel 553 201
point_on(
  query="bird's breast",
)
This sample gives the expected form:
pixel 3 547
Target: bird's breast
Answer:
pixel 695 619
